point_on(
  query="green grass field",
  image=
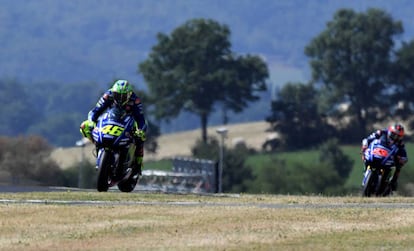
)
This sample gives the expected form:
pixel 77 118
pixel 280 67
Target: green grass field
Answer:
pixel 312 156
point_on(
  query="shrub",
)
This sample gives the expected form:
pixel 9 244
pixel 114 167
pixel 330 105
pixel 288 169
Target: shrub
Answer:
pixel 26 159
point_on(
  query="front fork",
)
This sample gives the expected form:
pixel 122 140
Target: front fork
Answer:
pixel 114 165
pixel 366 175
pixel 118 169
pixel 99 152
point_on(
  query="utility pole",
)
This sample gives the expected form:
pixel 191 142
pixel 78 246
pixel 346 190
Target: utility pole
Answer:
pixel 81 143
pixel 222 131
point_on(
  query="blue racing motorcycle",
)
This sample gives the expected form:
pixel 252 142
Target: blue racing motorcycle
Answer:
pixel 380 166
pixel 113 136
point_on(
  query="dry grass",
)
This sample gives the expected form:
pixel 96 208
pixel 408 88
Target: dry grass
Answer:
pixel 211 223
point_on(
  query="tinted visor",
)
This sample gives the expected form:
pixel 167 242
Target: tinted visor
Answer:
pixel 121 98
pixel 394 136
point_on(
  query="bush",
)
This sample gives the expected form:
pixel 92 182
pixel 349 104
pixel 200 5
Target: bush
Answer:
pixel 326 176
pixel 236 175
pixel 26 159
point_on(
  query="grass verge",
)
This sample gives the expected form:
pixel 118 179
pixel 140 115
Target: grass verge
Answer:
pixel 141 221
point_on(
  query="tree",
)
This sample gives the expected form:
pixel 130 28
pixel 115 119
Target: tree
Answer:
pixel 351 60
pixel 295 116
pixel 403 78
pixel 236 174
pixel 193 69
pixel 153 130
pixel 333 157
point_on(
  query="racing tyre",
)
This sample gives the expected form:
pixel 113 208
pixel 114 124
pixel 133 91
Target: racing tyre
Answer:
pixel 103 172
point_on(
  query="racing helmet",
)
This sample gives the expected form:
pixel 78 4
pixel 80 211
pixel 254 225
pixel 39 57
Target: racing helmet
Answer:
pixel 395 132
pixel 121 91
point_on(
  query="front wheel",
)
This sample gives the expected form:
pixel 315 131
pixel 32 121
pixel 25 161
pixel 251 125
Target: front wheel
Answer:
pixel 104 166
pixel 369 184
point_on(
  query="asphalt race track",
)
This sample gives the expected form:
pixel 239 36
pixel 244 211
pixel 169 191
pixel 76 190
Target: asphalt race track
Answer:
pixel 27 189
pixel 214 204
pixel 19 189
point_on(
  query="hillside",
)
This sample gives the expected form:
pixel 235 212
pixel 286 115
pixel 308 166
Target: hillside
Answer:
pixel 176 144
pixel 96 40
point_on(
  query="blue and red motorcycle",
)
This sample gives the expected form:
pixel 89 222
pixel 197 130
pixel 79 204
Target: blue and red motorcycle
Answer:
pixel 380 166
pixel 113 136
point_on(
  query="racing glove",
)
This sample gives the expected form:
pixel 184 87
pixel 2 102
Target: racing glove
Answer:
pixel 140 134
pixel 86 128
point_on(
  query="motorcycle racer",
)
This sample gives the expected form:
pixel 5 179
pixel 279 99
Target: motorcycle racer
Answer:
pixel 122 95
pixel 393 135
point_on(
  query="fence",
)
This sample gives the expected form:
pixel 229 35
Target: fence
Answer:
pixel 187 175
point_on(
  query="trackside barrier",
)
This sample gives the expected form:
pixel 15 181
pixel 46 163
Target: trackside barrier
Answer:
pixel 188 175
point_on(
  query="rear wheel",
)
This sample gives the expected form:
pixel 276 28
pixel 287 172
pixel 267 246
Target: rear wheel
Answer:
pixel 104 166
pixel 385 188
pixel 387 191
pixel 129 184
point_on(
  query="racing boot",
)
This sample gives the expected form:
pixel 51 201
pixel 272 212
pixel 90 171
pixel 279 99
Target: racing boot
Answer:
pixel 139 138
pixel 394 179
pixel 137 166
